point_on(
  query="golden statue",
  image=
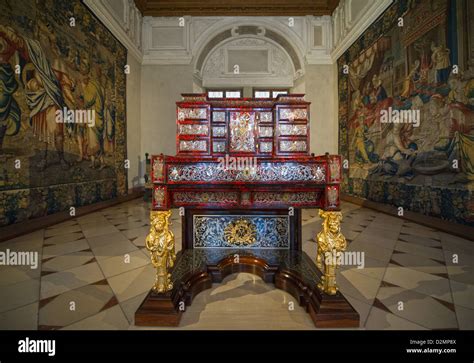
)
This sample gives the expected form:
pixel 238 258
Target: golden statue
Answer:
pixel 331 243
pixel 160 243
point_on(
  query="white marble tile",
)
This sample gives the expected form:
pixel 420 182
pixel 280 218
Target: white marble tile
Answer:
pixel 420 250
pixel 59 282
pixel 465 317
pixel 421 282
pixel 19 294
pixel 418 308
pixel 110 319
pixel 382 320
pixel 23 318
pixel 65 248
pixel 117 248
pixel 129 261
pixel 463 294
pixel 132 283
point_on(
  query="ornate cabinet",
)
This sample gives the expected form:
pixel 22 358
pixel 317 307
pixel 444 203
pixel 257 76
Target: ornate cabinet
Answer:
pixel 240 177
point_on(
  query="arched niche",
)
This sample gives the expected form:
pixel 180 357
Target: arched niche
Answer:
pixel 247 55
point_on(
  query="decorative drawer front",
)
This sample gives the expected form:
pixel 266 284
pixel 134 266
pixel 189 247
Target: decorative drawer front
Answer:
pixel 335 168
pixel 265 131
pixel 241 231
pixel 292 130
pixel 266 146
pixel 286 198
pixel 264 172
pixel 206 198
pixel 193 129
pixel 218 146
pixel 266 116
pixel 158 170
pixel 193 145
pixel 332 196
pixel 192 114
pixel 218 116
pixel 160 197
pixel 293 114
pixel 293 146
pixel 219 131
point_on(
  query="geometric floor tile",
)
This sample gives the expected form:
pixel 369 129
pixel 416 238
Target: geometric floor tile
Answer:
pixel 358 285
pixel 381 320
pixel 132 283
pixel 419 263
pixel 14 274
pixel 22 318
pixel 114 248
pixel 110 319
pixel 465 317
pixel 74 305
pixel 65 248
pixel 116 265
pixel 66 262
pixel 60 282
pixel 98 262
pixel 19 294
pixel 418 308
pixel 463 294
pixel 424 283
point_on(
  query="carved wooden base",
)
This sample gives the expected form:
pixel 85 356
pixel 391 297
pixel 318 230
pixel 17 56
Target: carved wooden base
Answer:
pixel 291 271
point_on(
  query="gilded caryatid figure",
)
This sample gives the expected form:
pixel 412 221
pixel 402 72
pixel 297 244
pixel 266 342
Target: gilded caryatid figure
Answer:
pixel 331 244
pixel 160 243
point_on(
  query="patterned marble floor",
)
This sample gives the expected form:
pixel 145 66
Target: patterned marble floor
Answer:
pixel 94 272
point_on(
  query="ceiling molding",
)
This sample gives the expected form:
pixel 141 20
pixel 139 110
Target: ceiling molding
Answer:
pixel 121 30
pixel 353 29
pixel 236 7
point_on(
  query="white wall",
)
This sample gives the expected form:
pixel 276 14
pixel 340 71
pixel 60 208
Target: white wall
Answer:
pixel 321 91
pixel 161 87
pixel 134 154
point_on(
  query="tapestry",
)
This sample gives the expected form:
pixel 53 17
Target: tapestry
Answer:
pixel 406 109
pixel 62 109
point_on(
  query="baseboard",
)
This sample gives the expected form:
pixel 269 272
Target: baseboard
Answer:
pixel 31 225
pixel 454 228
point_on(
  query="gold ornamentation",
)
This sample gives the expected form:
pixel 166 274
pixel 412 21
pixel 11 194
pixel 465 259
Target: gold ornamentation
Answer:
pixel 160 244
pixel 241 232
pixel 331 243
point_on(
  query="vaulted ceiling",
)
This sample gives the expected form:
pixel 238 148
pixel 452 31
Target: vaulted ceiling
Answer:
pixel 236 7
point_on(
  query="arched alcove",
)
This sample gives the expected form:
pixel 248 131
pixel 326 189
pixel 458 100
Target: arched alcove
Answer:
pixel 247 55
